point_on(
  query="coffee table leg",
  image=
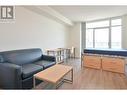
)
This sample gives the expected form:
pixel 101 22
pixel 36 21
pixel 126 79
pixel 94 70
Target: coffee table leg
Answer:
pixel 72 75
pixel 34 83
pixel 69 80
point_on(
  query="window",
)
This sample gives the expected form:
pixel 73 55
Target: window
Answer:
pixel 116 33
pixel 89 38
pixel 101 38
pixel 97 24
pixel 104 34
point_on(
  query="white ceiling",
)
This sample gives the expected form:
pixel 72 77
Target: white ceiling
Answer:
pixel 87 13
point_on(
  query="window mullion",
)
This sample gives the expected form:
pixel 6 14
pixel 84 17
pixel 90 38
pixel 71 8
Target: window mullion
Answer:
pixel 109 33
pixel 93 38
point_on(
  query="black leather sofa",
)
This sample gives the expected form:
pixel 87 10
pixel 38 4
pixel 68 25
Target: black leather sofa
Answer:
pixel 17 67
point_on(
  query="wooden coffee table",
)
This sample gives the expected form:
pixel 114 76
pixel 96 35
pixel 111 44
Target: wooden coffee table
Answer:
pixel 55 75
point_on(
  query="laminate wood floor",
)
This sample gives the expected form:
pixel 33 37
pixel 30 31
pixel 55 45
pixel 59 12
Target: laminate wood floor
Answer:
pixel 87 78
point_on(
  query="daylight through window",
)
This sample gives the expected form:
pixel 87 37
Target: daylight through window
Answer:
pixel 104 33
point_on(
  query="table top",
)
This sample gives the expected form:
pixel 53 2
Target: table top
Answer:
pixel 54 73
pixel 58 49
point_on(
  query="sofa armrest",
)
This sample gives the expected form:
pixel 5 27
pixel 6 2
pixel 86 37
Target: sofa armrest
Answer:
pixel 10 76
pixel 48 58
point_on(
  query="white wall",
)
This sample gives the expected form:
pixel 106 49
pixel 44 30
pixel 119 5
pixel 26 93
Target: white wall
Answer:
pixel 75 38
pixel 32 30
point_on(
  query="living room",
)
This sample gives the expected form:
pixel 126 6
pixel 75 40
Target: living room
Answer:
pixel 60 47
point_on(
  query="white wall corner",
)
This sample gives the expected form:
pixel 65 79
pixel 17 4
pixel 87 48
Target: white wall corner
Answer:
pixel 75 38
pixel 50 13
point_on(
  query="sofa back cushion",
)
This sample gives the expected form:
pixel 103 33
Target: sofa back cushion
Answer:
pixel 23 56
pixel 1 58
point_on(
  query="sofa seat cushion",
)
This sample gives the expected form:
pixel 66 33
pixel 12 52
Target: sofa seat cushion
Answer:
pixel 45 63
pixel 29 70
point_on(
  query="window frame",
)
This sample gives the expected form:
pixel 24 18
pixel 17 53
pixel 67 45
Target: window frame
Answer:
pixel 109 27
